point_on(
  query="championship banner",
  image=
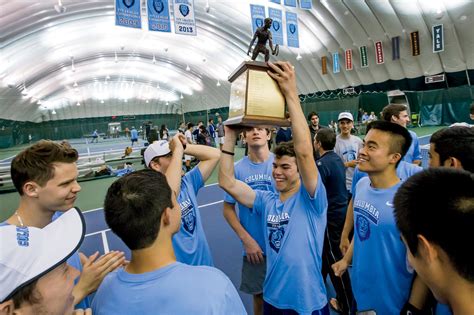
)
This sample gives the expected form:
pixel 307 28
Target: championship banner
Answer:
pixel 379 59
pixel 184 22
pixel 324 65
pixel 438 38
pixel 395 47
pixel 292 29
pixel 348 54
pixel 364 61
pixel 257 12
pixel 127 13
pixel 276 1
pixel 415 43
pixel 277 25
pixel 306 4
pixel 336 68
pixel 158 15
pixel 290 3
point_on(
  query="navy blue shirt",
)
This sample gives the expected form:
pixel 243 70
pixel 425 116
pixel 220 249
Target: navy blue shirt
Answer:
pixel 333 173
pixel 283 135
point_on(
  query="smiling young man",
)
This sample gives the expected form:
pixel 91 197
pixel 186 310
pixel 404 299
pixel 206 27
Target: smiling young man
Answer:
pixel 45 176
pixel 381 278
pixel 436 226
pixel 453 147
pixel 347 146
pixel 294 217
pixel 398 114
pixel 35 278
pixel 190 243
pixel 256 171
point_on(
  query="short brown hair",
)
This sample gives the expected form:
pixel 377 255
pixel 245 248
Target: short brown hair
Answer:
pixel 392 110
pixel 26 295
pixel 35 163
pixel 285 148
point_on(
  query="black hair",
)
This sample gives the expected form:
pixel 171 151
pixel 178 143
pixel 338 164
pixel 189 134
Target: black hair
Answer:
pixel 327 138
pixel 457 142
pixel 400 140
pixel 134 205
pixel 312 114
pixel 285 148
pixel 471 109
pixel 444 216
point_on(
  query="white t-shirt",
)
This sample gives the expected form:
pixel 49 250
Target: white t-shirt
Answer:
pixel 348 149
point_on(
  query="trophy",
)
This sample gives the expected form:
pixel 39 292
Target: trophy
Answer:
pixel 255 98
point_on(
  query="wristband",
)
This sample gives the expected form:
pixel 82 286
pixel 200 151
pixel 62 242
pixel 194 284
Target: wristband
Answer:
pixel 228 152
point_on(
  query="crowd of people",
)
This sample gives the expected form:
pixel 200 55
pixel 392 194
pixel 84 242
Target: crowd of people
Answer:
pixel 312 208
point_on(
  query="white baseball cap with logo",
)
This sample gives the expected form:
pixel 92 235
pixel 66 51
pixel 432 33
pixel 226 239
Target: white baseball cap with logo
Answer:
pixel 28 253
pixel 157 148
pixel 345 115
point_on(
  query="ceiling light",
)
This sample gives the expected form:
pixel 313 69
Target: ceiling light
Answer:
pixel 53 112
pixel 157 85
pixel 107 77
pixel 154 59
pixel 218 83
pixel 181 97
pixel 125 100
pixel 167 103
pixel 39 102
pixel 116 58
pixel 59 7
pixel 75 84
pixel 78 104
pixel 188 68
pixel 76 90
pixel 102 101
pixel 207 7
pixel 146 101
pixel 298 57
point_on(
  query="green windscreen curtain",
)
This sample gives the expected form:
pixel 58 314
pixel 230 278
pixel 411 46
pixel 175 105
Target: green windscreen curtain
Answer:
pixel 445 107
pixel 329 109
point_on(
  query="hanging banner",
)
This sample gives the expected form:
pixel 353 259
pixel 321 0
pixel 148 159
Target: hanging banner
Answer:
pixel 158 15
pixel 277 25
pixel 127 13
pixel 396 48
pixel 324 65
pixel 306 4
pixel 415 43
pixel 348 54
pixel 184 22
pixel 290 3
pixel 257 12
pixel 276 1
pixel 438 38
pixel 292 29
pixel 379 59
pixel 364 61
pixel 336 68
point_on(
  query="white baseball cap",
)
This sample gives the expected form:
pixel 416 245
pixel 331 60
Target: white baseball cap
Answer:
pixel 28 253
pixel 157 148
pixel 345 115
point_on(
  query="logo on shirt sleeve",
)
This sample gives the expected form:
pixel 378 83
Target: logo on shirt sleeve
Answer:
pixel 276 225
pixel 188 217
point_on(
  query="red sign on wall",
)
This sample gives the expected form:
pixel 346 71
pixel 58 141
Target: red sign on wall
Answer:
pixel 379 53
pixel 349 59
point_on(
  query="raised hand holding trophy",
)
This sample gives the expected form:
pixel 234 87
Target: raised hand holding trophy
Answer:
pixel 255 98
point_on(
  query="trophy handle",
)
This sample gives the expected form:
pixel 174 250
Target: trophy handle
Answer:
pixel 276 50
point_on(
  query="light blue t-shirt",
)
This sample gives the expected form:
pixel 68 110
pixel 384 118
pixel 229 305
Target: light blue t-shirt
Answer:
pixel 190 243
pixel 74 261
pixel 134 134
pixel 413 152
pixel 257 176
pixel 173 289
pixel 294 235
pixel 381 276
pixel 404 170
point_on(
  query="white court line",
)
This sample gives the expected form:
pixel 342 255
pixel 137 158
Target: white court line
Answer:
pixel 106 230
pixel 97 209
pixel 105 242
